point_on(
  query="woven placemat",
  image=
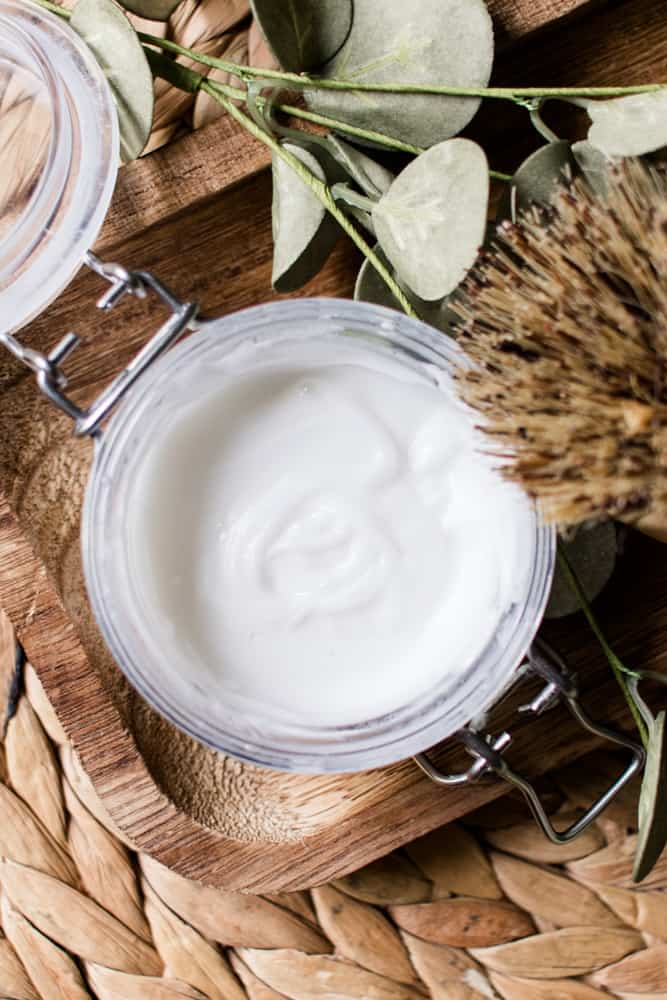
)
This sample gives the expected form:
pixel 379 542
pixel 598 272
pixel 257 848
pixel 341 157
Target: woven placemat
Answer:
pixel 485 908
pixel 219 28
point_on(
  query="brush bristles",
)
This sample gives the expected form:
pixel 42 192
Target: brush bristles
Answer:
pixel 566 321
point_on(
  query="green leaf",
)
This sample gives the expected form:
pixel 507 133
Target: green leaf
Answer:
pixel 432 220
pixel 448 42
pixel 370 287
pixel 629 126
pixel 537 179
pixel 592 556
pixel 652 811
pixel 593 164
pixel 154 10
pixel 114 43
pixel 303 231
pixel 373 179
pixel 303 34
pixel 319 147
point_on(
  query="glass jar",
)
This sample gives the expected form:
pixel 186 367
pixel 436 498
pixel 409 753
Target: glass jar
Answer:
pixel 235 725
pixel 59 142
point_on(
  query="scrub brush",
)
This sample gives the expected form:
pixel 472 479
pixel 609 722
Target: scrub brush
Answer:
pixel 565 320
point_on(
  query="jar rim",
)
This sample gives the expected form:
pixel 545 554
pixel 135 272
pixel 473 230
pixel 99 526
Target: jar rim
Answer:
pixel 47 243
pixel 264 740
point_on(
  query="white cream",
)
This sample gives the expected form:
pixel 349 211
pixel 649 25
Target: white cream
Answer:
pixel 319 533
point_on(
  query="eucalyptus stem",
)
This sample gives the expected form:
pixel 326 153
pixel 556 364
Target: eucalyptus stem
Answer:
pixel 55 8
pixel 368 135
pixel 618 667
pixel 343 192
pixel 304 81
pixel 541 126
pixel 318 187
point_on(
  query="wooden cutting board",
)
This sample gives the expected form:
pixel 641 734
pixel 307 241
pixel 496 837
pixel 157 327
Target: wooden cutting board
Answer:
pixel 198 214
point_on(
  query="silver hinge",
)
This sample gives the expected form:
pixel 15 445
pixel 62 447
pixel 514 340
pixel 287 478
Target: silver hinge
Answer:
pixel 487 750
pixel 48 370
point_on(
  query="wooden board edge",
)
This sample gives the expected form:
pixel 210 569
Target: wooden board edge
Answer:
pixel 176 177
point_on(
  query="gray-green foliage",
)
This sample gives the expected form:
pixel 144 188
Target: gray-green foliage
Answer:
pixel 303 34
pixel 370 287
pixel 537 179
pixel 303 231
pixel 114 43
pixel 418 41
pixel 432 220
pixel 592 555
pixel 629 126
pixel 652 835
pixel 593 164
pixel 371 177
pixel 652 808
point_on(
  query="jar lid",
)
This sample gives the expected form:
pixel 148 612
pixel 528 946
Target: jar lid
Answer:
pixel 59 142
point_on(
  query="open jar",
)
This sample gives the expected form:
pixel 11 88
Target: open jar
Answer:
pixel 59 141
pixel 46 227
pixel 255 725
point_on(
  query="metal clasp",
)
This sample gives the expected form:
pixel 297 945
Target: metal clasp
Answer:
pixel 487 751
pixel 51 378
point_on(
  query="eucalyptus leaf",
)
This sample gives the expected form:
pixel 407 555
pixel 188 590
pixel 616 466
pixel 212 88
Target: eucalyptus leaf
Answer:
pixel 363 218
pixel 318 146
pixel 373 179
pixel 592 556
pixel 370 287
pixel 652 811
pixel 447 42
pixel 593 164
pixel 303 231
pixel 537 179
pixel 114 43
pixel 153 10
pixel 629 126
pixel 303 34
pixel 432 220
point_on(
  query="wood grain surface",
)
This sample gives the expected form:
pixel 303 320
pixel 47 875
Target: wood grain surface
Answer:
pixel 514 18
pixel 198 213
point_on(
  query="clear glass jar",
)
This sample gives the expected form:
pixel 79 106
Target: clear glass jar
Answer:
pixel 239 727
pixel 59 159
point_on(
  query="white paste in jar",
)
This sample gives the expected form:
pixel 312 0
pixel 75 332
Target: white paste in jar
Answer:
pixel 321 534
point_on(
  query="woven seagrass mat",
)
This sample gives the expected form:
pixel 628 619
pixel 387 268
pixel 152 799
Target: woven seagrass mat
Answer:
pixel 488 908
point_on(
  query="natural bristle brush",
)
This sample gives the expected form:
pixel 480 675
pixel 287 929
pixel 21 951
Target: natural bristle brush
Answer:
pixel 565 320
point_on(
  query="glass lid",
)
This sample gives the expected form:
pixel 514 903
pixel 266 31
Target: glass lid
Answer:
pixel 58 157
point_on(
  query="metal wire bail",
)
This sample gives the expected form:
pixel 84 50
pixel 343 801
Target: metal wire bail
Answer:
pixel 487 751
pixel 50 376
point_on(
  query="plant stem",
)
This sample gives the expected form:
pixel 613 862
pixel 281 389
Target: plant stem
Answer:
pixel 319 189
pixel 332 123
pixel 55 8
pixel 303 81
pixel 541 127
pixel 343 192
pixel 618 667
